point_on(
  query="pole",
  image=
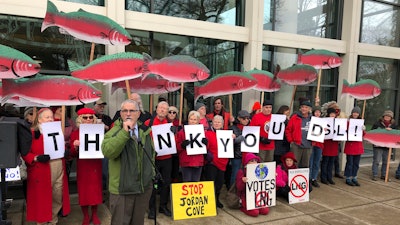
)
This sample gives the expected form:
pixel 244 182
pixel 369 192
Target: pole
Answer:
pixel 128 89
pixel 230 107
pixel 181 104
pixel 363 111
pixel 318 85
pixel 262 98
pixel 293 94
pixel 388 165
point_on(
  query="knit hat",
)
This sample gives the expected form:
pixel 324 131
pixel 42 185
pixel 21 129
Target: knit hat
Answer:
pixel 243 114
pixel 356 109
pixel 388 113
pixel 288 155
pixel 86 111
pixel 249 157
pixel 267 102
pixel 329 111
pixel 28 111
pixel 173 108
pixel 306 103
pixel 256 106
pixel 198 106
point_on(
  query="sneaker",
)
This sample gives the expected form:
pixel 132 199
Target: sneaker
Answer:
pixel 355 182
pixel 375 178
pixel 349 182
pixel 315 183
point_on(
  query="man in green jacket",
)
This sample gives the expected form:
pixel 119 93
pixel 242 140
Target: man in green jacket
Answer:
pixel 130 168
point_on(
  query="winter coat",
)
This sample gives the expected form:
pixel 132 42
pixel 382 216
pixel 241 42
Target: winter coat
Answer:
pixel 263 122
pixel 130 169
pixel 293 129
pixel 39 191
pixel 331 148
pixel 237 130
pixel 152 122
pixel 224 114
pixel 380 124
pixel 220 163
pixel 282 178
pixel 186 160
pixel 88 176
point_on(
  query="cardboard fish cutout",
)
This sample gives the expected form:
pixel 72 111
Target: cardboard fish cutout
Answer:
pixel 177 68
pixel 320 59
pixel 110 68
pixel 383 138
pixel 151 85
pixel 224 84
pixel 15 64
pixel 86 26
pixel 362 90
pixel 265 81
pixel 298 75
pixel 51 90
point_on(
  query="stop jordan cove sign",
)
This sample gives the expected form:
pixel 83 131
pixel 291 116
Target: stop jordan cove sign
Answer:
pixel 299 185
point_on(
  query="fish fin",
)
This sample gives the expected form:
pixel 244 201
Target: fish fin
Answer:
pixel 48 20
pixel 72 65
pixel 146 60
pixel 4 68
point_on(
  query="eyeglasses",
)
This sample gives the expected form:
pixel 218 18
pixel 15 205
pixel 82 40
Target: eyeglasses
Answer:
pixel 172 112
pixel 87 117
pixel 130 110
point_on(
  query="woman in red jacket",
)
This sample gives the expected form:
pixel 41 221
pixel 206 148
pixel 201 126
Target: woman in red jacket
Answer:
pixel 329 152
pixel 88 172
pixel 353 151
pixel 191 165
pixel 215 167
pixel 47 180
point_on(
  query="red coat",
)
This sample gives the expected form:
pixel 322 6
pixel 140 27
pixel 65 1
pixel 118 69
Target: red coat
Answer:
pixel 186 160
pixel 226 117
pixel 354 148
pixel 220 163
pixel 318 144
pixel 263 122
pixel 88 176
pixel 156 121
pixel 39 191
pixel 331 148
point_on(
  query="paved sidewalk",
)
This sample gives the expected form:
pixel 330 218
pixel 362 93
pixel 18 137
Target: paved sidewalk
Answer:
pixel 374 202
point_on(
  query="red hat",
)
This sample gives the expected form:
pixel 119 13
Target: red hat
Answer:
pixel 249 157
pixel 289 155
pixel 86 111
pixel 256 106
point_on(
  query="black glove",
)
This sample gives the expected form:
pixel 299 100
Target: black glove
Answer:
pixel 239 138
pixel 264 140
pixel 43 158
pixel 173 129
pixel 204 141
pixel 185 143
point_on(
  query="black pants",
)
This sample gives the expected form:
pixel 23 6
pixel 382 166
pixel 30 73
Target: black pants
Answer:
pixel 212 173
pixel 165 168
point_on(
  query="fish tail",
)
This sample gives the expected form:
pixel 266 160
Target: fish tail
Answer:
pixel 7 85
pixel 146 60
pixel 345 86
pixel 48 20
pixel 72 65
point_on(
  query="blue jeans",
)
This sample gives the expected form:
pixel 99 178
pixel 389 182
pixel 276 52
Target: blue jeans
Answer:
pixel 191 174
pixel 235 163
pixel 352 165
pixel 327 167
pixel 315 162
pixel 378 155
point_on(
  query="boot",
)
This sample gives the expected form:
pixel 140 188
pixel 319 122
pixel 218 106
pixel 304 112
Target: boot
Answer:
pixel 86 219
pixel 95 218
pixel 219 204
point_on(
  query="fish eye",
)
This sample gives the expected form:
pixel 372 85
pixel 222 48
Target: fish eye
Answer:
pixel 29 64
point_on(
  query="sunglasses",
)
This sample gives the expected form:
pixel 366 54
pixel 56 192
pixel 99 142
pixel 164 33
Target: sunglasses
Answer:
pixel 172 112
pixel 87 117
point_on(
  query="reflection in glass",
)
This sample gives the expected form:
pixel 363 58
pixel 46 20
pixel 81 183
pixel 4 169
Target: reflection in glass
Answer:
pixel 311 17
pixel 380 24
pixel 88 2
pixel 383 71
pixel 216 11
pixel 50 48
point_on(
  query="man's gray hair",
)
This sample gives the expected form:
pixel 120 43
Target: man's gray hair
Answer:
pixel 131 102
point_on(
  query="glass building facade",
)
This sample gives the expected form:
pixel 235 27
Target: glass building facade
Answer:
pixel 231 35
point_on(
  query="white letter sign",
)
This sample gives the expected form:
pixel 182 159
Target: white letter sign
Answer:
pixel 164 139
pixel 225 143
pixel 277 127
pixel 90 138
pixel 53 138
pixel 195 133
pixel 251 141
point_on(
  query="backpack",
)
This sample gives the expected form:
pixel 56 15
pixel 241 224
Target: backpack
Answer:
pixel 232 198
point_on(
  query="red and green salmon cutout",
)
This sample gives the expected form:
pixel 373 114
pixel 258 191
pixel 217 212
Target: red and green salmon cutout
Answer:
pixel 320 59
pixel 51 90
pixel 265 80
pixel 153 84
pixel 298 75
pixel 110 68
pixel 383 138
pixel 86 26
pixel 224 84
pixel 15 64
pixel 177 68
pixel 362 90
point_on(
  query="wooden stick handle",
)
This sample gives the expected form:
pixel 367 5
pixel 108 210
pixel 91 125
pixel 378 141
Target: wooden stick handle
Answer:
pixel 388 165
pixel 181 104
pixel 318 85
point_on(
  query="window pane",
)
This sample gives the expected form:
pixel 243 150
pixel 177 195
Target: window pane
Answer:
pixel 383 71
pixel 319 18
pixel 217 11
pixel 88 2
pixel 380 24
